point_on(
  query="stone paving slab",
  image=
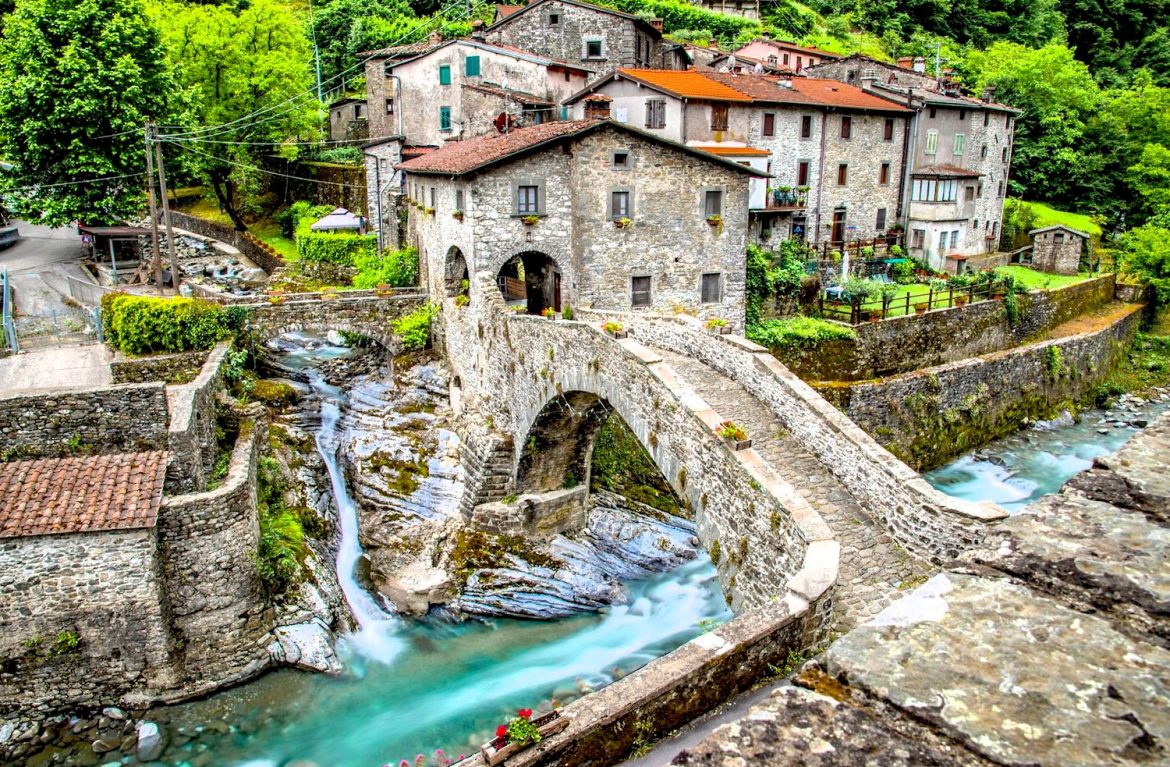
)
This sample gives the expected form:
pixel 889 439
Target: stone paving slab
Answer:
pixel 1015 676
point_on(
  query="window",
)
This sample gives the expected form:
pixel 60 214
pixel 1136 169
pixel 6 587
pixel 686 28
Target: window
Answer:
pixel 970 194
pixel 656 113
pixel 884 175
pixel 983 152
pixel 1007 122
pixel 881 219
pixel 932 142
pixel 1005 154
pixel 640 291
pixel 1057 238
pixel 527 199
pixel 389 106
pixel 799 64
pixel 960 141
pixel 802 170
pixel 785 59
pixel 954 239
pixel 842 174
pixel 769 123
pixel 846 126
pixel 918 239
pixel 942 241
pixel 619 204
pixel 986 119
pixel 471 66
pixel 621 160
pixel 711 289
pixel 444 118
pixel 933 112
pixel 975 224
pixel 594 48
pixel 458 199
pixel 888 130
pixel 718 117
pixel 1000 189
pixel 445 75
pixel 930 190
pixel 433 205
pixel 962 114
pixel 712 202
pixel 806 126
pixel 554 19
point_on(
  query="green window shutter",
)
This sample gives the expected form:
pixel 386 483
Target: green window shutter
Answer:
pixel 471 64
pixel 444 118
pixel 564 112
pixel 444 75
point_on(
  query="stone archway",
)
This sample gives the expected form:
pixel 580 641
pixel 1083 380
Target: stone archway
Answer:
pixel 456 274
pixel 531 279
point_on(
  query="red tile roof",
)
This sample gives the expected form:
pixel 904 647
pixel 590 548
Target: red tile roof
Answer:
pixel 687 84
pixel 733 151
pixel 71 495
pixel 400 51
pixel 504 11
pixel 837 94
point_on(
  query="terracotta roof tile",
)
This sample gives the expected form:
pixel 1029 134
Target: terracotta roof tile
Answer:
pixel 463 156
pixel 504 11
pixel 769 89
pixel 49 496
pixel 400 51
pixel 689 84
pixel 733 151
pixel 838 94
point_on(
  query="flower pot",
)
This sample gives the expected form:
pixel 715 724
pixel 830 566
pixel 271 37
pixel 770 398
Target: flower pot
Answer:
pixel 497 750
pixel 738 444
pixel 721 330
pixel 921 308
pixel 618 333
pixel 875 317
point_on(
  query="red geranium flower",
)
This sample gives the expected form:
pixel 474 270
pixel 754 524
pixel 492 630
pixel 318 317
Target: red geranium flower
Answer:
pixel 502 731
pixel 525 713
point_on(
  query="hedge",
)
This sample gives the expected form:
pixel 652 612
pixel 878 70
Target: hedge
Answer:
pixel 797 332
pixel 338 249
pixel 398 268
pixel 147 324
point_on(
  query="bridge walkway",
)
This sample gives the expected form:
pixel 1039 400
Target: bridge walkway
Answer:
pixel 874 569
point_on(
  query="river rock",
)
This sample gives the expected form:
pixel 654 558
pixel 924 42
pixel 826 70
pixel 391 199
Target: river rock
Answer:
pixel 415 588
pixel 114 713
pixel 150 742
pixel 306 645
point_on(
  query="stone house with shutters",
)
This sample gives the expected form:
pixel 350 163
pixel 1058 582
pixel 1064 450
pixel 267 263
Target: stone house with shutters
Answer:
pixel 595 37
pixel 781 55
pixel 959 160
pixel 834 154
pixel 590 214
pixel 347 120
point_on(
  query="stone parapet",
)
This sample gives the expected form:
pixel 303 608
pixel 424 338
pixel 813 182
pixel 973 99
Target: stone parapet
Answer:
pixel 192 418
pixel 177 368
pixel 261 253
pixel 535 515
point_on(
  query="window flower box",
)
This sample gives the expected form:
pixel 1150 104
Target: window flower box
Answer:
pixel 430 211
pixel 715 221
pixel 530 220
pixel 623 223
pixel 614 329
pixel 733 435
pixel 499 748
pixel 457 215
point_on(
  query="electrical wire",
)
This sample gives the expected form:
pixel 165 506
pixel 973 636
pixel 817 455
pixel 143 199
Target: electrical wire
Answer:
pixel 246 166
pixel 70 183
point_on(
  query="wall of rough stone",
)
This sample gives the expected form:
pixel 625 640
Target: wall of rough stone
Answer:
pixel 103 586
pixel 362 312
pixel 932 415
pixel 207 544
pixel 178 368
pixel 258 251
pixel 925 522
pixel 191 434
pixel 536 515
pixel 862 195
pixel 911 342
pixel 101 419
pixel 1062 257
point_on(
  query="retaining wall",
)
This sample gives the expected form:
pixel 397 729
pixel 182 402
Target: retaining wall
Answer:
pixel 257 250
pixel 178 368
pixel 191 435
pixel 930 416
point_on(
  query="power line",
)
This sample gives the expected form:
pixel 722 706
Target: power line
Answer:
pixel 70 183
pixel 261 170
pixel 320 142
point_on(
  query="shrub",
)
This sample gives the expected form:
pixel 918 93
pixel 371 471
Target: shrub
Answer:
pixel 567 313
pixel 861 290
pixel 337 249
pixel 282 547
pixel 415 328
pixel 903 273
pixel 289 218
pixel 797 332
pixel 341 155
pixel 147 324
pixel 398 268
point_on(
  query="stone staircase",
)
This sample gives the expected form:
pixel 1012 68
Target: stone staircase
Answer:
pixel 874 569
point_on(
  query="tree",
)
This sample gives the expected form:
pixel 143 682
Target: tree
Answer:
pixel 1150 178
pixel 248 80
pixel 79 80
pixel 1145 254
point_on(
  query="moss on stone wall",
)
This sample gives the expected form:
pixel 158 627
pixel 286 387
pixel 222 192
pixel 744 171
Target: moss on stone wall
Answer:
pixel 621 465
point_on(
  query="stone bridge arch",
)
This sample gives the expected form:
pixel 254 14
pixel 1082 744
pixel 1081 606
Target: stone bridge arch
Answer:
pixel 370 315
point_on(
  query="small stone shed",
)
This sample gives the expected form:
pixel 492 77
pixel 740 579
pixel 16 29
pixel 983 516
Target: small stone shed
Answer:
pixel 1058 249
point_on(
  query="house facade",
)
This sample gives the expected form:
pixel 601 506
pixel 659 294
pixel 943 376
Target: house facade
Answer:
pixel 834 153
pixel 959 161
pixel 1058 249
pixel 347 120
pixel 589 214
pixel 590 36
pixel 781 55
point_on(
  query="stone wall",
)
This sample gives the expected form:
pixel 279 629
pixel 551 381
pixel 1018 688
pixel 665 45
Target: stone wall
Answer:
pixel 101 419
pixel 925 522
pixel 537 515
pixel 1060 257
pixel 911 342
pixel 178 368
pixel 105 587
pixel 362 312
pixel 932 415
pixel 258 251
pixel 208 542
pixel 191 434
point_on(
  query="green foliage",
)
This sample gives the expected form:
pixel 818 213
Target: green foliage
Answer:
pixel 290 218
pixel 145 324
pixel 342 155
pixel 66 642
pixel 415 328
pixel 797 332
pixel 336 249
pixel 1145 255
pixel 678 14
pixel 903 273
pixel 621 465
pixel 567 314
pixel 773 275
pixel 282 549
pixel 75 75
pixel 398 268
pixel 1053 361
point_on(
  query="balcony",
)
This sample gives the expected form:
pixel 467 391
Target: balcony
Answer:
pixel 784 198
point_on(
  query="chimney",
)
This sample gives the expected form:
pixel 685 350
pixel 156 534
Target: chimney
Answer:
pixel 435 37
pixel 785 82
pixel 989 94
pixel 906 62
pixel 920 65
pixel 868 77
pixel 477 30
pixel 656 23
pixel 766 35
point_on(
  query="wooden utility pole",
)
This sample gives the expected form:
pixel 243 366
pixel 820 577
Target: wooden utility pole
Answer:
pixel 153 211
pixel 166 206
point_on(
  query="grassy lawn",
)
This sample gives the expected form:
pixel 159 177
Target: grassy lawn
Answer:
pixel 1046 215
pixel 1033 280
pixel 266 229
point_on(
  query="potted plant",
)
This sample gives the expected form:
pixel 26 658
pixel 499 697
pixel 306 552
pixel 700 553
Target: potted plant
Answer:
pixel 384 290
pixel 276 297
pixel 548 313
pixel 715 221
pixel 624 223
pixel 430 211
pixel 520 732
pixel 530 220
pixel 457 215
pixel 614 329
pixel 875 316
pixel 462 300
pixel 921 307
pixel 960 300
pixel 719 326
pixel 735 437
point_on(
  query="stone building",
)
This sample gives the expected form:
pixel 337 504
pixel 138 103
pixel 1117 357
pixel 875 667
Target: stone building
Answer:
pixel 835 153
pixel 347 120
pixel 781 55
pixel 1058 248
pixel 959 163
pixel 588 214
pixel 595 37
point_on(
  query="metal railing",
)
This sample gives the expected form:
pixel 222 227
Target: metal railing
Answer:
pixel 10 339
pixel 874 309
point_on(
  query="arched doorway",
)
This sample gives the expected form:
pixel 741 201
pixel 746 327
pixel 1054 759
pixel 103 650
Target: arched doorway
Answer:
pixel 456 276
pixel 532 280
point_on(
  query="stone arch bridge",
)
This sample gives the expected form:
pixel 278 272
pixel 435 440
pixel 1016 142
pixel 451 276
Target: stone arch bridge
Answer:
pixel 369 313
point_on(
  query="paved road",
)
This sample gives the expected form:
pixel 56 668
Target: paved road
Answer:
pixel 38 265
pixel 49 368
